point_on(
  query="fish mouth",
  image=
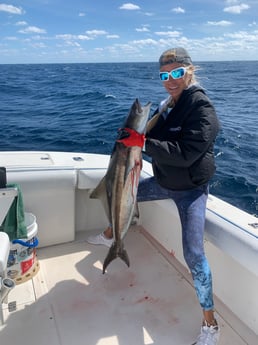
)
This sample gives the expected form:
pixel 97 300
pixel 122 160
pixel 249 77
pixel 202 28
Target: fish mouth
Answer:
pixel 138 107
pixel 138 116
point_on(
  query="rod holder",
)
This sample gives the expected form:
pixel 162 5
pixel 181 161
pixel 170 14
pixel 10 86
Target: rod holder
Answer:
pixel 6 285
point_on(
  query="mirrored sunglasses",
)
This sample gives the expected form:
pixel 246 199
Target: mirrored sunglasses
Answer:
pixel 176 73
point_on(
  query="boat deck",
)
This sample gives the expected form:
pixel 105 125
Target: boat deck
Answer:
pixel 70 301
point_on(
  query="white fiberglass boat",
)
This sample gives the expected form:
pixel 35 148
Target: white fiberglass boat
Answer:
pixel 68 300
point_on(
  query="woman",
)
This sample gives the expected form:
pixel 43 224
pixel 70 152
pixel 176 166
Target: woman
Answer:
pixel 180 140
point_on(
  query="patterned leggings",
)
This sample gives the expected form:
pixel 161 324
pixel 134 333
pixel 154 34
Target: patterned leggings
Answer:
pixel 191 205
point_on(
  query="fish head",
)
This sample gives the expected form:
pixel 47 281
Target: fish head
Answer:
pixel 138 117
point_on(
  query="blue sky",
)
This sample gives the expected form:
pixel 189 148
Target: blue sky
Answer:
pixel 49 31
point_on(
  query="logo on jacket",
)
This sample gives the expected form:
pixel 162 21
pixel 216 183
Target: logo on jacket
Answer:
pixel 175 129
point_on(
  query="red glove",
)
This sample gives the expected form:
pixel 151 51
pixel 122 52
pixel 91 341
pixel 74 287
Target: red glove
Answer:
pixel 133 139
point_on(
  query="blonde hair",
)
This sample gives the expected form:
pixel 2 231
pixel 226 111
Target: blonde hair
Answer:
pixel 191 69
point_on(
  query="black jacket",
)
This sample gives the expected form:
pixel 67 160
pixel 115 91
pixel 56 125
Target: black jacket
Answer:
pixel 181 146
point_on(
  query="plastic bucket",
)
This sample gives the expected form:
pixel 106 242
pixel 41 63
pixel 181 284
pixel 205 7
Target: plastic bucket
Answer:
pixel 22 261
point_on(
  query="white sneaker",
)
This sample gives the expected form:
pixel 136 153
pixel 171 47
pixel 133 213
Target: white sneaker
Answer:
pixel 100 239
pixel 209 335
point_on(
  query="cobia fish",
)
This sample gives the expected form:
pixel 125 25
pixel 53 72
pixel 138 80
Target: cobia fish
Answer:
pixel 118 188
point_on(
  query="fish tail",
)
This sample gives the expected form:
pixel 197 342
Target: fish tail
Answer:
pixel 116 250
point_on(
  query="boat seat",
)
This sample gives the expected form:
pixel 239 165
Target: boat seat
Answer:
pixel 7 196
pixel 88 179
pixel 4 252
pixel 233 231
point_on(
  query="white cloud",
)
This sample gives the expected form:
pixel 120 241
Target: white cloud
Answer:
pixel 178 10
pixel 112 36
pixel 220 23
pixel 83 37
pixel 95 33
pixel 21 23
pixel 168 33
pixel 90 35
pixel 243 36
pixel 231 2
pixel 38 37
pixel 148 41
pixel 129 6
pixel 38 45
pixel 11 9
pixel 32 29
pixel 149 14
pixel 203 44
pixel 236 9
pixel 142 29
pixel 74 44
pixel 69 37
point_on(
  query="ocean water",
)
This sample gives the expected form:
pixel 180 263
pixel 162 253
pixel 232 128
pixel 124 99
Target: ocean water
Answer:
pixel 79 107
